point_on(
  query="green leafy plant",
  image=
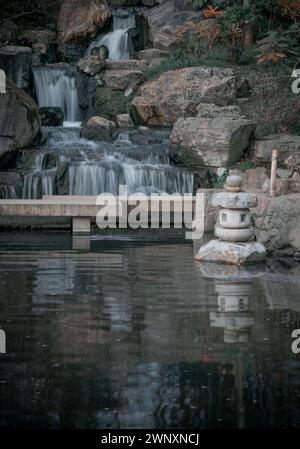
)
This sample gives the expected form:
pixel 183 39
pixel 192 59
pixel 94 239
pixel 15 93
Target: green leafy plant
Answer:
pixel 220 181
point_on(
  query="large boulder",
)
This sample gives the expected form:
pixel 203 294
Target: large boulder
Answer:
pixel 167 40
pixel 177 93
pixel 125 80
pixel 218 139
pixel 16 61
pixel 43 44
pixel 165 14
pixel 19 119
pixel 277 220
pixel 289 150
pixel 98 128
pixel 80 20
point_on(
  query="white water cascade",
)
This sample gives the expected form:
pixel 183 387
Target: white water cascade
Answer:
pixel 145 177
pixel 8 192
pixel 39 181
pixel 122 163
pixel 100 167
pixel 117 40
pixel 55 87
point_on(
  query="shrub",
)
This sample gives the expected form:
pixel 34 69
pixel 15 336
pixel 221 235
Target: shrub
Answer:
pixel 273 104
pixel 279 45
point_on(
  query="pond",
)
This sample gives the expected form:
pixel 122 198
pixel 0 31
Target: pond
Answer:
pixel 135 334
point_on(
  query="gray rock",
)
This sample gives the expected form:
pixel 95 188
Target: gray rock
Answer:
pixel 92 65
pixel 278 222
pixel 126 64
pixel 231 253
pixel 100 100
pixel 255 178
pixel 152 53
pixel 123 79
pixel 165 14
pixel 166 40
pixel 213 111
pixel 43 44
pixel 79 22
pixel 178 93
pixel 294 185
pixel 19 119
pixel 284 174
pixel 213 142
pixel 288 146
pixel 98 128
pixel 124 121
pixel 17 64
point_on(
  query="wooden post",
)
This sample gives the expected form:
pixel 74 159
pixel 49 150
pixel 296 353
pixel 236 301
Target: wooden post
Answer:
pixel 275 154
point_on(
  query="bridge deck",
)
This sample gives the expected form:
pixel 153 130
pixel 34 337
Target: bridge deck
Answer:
pixel 81 209
pixel 72 207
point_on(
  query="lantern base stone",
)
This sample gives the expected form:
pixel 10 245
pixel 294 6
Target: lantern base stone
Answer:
pixel 232 253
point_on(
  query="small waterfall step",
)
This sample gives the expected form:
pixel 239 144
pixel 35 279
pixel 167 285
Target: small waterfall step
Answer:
pixel 56 86
pixel 59 134
pixel 117 40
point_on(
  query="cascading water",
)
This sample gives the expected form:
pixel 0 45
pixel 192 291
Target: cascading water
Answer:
pixel 117 40
pixel 56 87
pixel 91 168
pixel 8 192
pixel 95 168
pixel 122 163
pixel 139 176
pixel 40 181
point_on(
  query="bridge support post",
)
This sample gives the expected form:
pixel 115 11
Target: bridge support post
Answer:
pixel 81 225
pixel 81 242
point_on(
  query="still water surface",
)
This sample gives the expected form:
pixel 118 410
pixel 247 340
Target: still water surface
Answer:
pixel 135 334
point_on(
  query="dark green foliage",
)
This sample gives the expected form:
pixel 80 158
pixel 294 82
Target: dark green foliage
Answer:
pixel 272 103
pixel 278 45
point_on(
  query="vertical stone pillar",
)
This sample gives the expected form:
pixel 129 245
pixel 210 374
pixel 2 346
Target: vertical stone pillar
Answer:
pixel 81 225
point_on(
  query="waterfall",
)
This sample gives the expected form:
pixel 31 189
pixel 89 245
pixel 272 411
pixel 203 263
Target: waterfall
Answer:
pixel 63 136
pixel 40 181
pixel 101 167
pixel 117 40
pixel 8 192
pixel 123 21
pixel 147 176
pixel 56 87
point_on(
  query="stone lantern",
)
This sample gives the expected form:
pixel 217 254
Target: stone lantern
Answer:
pixel 233 313
pixel 235 234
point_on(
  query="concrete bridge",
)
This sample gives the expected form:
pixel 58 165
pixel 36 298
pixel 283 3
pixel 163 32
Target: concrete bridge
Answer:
pixel 84 209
